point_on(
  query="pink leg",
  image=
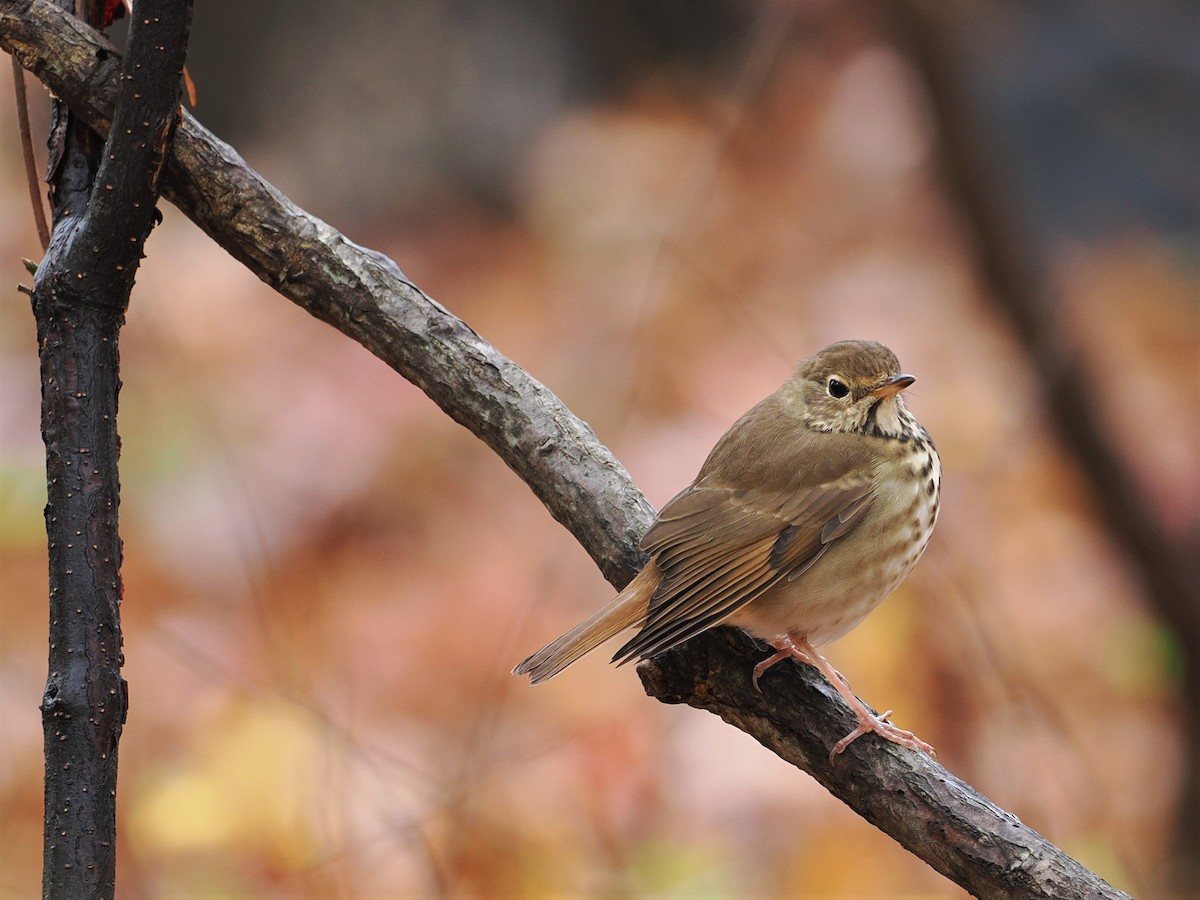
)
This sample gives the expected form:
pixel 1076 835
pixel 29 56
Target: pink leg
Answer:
pixel 790 646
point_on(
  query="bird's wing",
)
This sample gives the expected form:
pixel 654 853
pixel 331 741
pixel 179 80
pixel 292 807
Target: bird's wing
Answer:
pixel 719 547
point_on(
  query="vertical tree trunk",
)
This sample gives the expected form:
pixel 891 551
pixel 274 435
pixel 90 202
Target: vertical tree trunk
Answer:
pixel 103 200
pixel 83 708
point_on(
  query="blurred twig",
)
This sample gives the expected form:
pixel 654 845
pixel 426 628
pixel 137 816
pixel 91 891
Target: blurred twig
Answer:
pixel 1168 566
pixel 366 296
pixel 26 137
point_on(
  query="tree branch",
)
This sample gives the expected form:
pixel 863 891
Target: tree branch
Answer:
pixel 367 297
pixel 31 176
pixel 364 295
pixel 932 813
pixel 103 214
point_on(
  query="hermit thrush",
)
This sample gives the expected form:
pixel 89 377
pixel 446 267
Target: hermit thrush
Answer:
pixel 806 514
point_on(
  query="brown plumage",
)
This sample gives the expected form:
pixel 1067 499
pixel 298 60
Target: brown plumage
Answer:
pixel 806 514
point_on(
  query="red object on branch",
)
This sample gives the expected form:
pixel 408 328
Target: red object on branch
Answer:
pixel 113 10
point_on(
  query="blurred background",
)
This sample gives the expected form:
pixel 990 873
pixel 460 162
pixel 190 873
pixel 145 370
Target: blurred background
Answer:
pixel 656 209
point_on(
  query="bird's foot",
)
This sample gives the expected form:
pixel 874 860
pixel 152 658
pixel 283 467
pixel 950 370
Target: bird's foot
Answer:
pixel 785 648
pixel 780 656
pixel 867 723
pixel 790 646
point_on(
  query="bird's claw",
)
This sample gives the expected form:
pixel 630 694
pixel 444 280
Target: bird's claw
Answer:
pixel 778 656
pixel 886 730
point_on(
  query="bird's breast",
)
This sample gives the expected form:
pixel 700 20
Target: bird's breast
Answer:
pixel 859 570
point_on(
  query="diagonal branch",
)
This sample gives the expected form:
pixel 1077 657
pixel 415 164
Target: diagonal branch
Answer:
pixel 364 295
pixel 931 812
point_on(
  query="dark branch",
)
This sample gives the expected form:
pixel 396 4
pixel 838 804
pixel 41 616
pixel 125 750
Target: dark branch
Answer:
pixel 104 204
pixel 1170 572
pixel 1168 566
pixel 365 296
pixel 932 813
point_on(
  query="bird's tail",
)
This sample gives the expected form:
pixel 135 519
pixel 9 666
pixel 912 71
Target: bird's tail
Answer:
pixel 626 610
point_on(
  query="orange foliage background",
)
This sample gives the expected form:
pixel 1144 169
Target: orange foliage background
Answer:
pixel 327 581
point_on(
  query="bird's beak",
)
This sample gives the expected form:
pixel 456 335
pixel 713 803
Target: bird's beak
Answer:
pixel 892 386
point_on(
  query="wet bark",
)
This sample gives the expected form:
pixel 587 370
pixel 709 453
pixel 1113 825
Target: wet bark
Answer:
pixel 103 199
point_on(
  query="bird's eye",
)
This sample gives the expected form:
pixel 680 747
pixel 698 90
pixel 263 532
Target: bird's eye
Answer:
pixel 837 388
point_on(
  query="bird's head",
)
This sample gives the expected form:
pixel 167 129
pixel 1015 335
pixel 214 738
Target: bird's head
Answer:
pixel 851 386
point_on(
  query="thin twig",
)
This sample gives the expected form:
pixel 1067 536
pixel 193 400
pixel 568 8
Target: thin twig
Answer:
pixel 31 174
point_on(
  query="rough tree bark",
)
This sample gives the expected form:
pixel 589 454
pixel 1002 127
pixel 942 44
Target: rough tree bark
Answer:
pixel 936 815
pixel 103 200
pixel 367 297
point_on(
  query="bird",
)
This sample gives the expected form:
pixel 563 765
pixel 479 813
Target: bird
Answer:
pixel 807 513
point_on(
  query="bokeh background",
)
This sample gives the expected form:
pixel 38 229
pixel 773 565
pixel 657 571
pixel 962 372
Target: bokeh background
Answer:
pixel 656 209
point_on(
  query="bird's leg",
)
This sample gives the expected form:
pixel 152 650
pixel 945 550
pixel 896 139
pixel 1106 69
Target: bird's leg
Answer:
pixel 797 647
pixel 785 648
